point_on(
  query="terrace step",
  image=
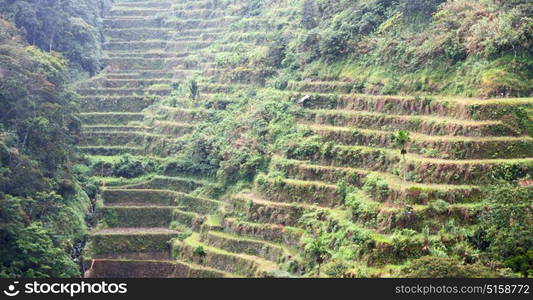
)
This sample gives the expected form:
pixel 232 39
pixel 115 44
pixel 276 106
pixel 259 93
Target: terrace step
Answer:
pixel 121 242
pixel 415 168
pixel 127 83
pixel 118 138
pixel 113 128
pixel 220 88
pixel 146 54
pixel 115 103
pixel 199 13
pixel 188 219
pixel 137 197
pixel 202 36
pixel 201 31
pixel 298 191
pixel 263 211
pixel 238 244
pixel 145 45
pixel 125 64
pixel 120 216
pixel 341 87
pixel 461 108
pixel 429 125
pixel 124 92
pixel 148 45
pixel 111 118
pixel 182 115
pixel 386 217
pixel 274 233
pixel 187 24
pixel 121 268
pixel 446 147
pixel 396 189
pixel 175 184
pixel 112 150
pixel 170 128
pixel 116 196
pixel 183 5
pixel 134 22
pixel 143 4
pixel 240 264
pixel 137 12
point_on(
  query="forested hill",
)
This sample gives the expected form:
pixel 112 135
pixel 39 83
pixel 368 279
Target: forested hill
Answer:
pixel 471 48
pixel 266 138
pixel 44 46
pixel 72 28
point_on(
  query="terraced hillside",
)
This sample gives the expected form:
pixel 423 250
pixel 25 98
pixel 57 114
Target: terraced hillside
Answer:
pixel 346 177
pixel 147 54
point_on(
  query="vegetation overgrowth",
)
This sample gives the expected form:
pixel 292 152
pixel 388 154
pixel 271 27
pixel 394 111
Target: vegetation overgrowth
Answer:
pixel 355 211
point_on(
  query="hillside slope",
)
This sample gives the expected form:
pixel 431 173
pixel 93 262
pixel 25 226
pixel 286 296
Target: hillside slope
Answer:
pixel 216 159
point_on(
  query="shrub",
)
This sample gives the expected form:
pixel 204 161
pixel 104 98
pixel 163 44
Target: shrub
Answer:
pixel 375 184
pixel 521 263
pixel 194 90
pixel 332 44
pixel 438 207
pixel 199 251
pixel 508 225
pixel 308 14
pixel 337 268
pixel 444 267
pixel 129 167
pixel 425 8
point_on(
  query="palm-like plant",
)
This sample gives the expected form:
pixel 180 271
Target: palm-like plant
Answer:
pixel 194 89
pixel 318 249
pixel 401 139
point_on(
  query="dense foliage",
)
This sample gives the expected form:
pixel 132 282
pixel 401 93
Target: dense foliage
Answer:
pixel 69 27
pixel 42 208
pixel 237 143
pixel 381 46
pixel 461 47
pixel 473 48
pixel 509 227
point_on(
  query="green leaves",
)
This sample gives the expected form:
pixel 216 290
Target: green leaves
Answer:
pixel 34 237
pixel 401 138
pixel 70 27
pixel 42 209
pixel 509 225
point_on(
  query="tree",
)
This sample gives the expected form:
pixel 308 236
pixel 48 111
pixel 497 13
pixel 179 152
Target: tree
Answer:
pixel 200 252
pixel 401 139
pixel 70 27
pixel 194 89
pixel 42 215
pixel 521 263
pixel 508 224
pixel 308 14
pixel 318 250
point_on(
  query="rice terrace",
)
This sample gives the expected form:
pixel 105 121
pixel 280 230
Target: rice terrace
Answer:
pixel 266 138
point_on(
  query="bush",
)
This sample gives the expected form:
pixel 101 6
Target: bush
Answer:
pixel 332 44
pixel 373 183
pixel 425 8
pixel 521 263
pixel 199 251
pixel 507 223
pixel 444 267
pixel 337 269
pixel 130 167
